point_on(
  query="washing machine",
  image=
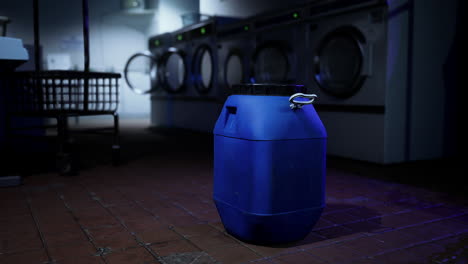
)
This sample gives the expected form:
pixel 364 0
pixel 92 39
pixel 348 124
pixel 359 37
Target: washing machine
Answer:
pixel 360 64
pixel 144 75
pixel 347 69
pixel 280 43
pixel 148 63
pixel 205 43
pixel 191 77
pixel 175 64
pixel 236 45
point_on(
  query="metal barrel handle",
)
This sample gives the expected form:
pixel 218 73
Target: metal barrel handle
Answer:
pixel 299 104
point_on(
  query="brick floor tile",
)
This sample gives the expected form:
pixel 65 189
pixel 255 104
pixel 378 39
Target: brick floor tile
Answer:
pixel 396 239
pixel 131 256
pixel 209 242
pixel 383 208
pixel 397 257
pixel 81 260
pixel 428 231
pixel 50 205
pixel 143 224
pixel 196 230
pixel 95 217
pixel 297 258
pixel 424 252
pixel 190 257
pixel 404 219
pixel 364 212
pixel 365 246
pixel 323 223
pixel 366 226
pixel 340 218
pixel 334 232
pixel 210 216
pixel 180 220
pixel 202 206
pixel 116 241
pixel 101 221
pixel 262 261
pixel 219 226
pixel 66 237
pixel 27 257
pixel 165 209
pixel 129 212
pixel 454 225
pixel 233 254
pixel 173 247
pixel 363 260
pixel 426 215
pixel 335 253
pixel 311 240
pixel 12 242
pixel 269 251
pixel 110 198
pixel 156 235
pixel 81 203
pixel 55 227
pixel 443 211
pixel 72 250
pixel 14 208
pixel 18 224
pixel 463 218
pixel 105 231
pixel 455 241
pixel 334 207
pixel 59 214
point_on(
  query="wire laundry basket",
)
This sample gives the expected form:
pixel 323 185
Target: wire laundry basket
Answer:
pixel 49 93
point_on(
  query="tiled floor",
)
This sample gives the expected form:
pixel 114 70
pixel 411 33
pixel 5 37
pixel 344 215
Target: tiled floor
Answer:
pixel 158 209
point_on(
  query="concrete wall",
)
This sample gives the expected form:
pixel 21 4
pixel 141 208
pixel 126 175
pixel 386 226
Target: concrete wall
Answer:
pixel 170 11
pixel 243 8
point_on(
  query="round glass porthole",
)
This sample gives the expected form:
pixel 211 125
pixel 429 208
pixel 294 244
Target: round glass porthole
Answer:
pixel 137 70
pixel 338 63
pixel 233 70
pixel 174 72
pixel 270 65
pixel 203 69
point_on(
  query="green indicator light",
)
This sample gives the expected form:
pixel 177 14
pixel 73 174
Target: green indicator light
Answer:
pixel 203 30
pixel 295 15
pixel 179 37
pixel 246 28
pixel 156 42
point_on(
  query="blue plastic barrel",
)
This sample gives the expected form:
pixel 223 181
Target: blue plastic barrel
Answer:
pixel 269 164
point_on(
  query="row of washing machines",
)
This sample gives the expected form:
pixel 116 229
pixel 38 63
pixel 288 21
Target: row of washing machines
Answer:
pixel 352 54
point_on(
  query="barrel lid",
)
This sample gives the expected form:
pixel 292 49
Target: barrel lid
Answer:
pixel 267 89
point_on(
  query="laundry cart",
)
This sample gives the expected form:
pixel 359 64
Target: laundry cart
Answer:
pixel 61 94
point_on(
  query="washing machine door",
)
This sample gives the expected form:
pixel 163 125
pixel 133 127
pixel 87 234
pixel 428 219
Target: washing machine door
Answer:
pixel 174 71
pixel 203 69
pixel 338 62
pixel 233 68
pixel 141 73
pixel 271 63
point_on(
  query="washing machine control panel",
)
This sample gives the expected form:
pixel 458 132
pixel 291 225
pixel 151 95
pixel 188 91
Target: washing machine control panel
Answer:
pixel 181 36
pixel 202 31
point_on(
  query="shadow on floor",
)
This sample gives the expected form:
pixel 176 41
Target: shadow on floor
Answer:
pixel 38 155
pixel 334 232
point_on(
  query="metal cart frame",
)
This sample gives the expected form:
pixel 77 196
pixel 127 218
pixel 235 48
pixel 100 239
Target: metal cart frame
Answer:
pixel 63 94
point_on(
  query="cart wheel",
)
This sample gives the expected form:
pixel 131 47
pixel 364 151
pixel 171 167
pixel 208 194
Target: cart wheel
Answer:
pixel 116 155
pixel 65 164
